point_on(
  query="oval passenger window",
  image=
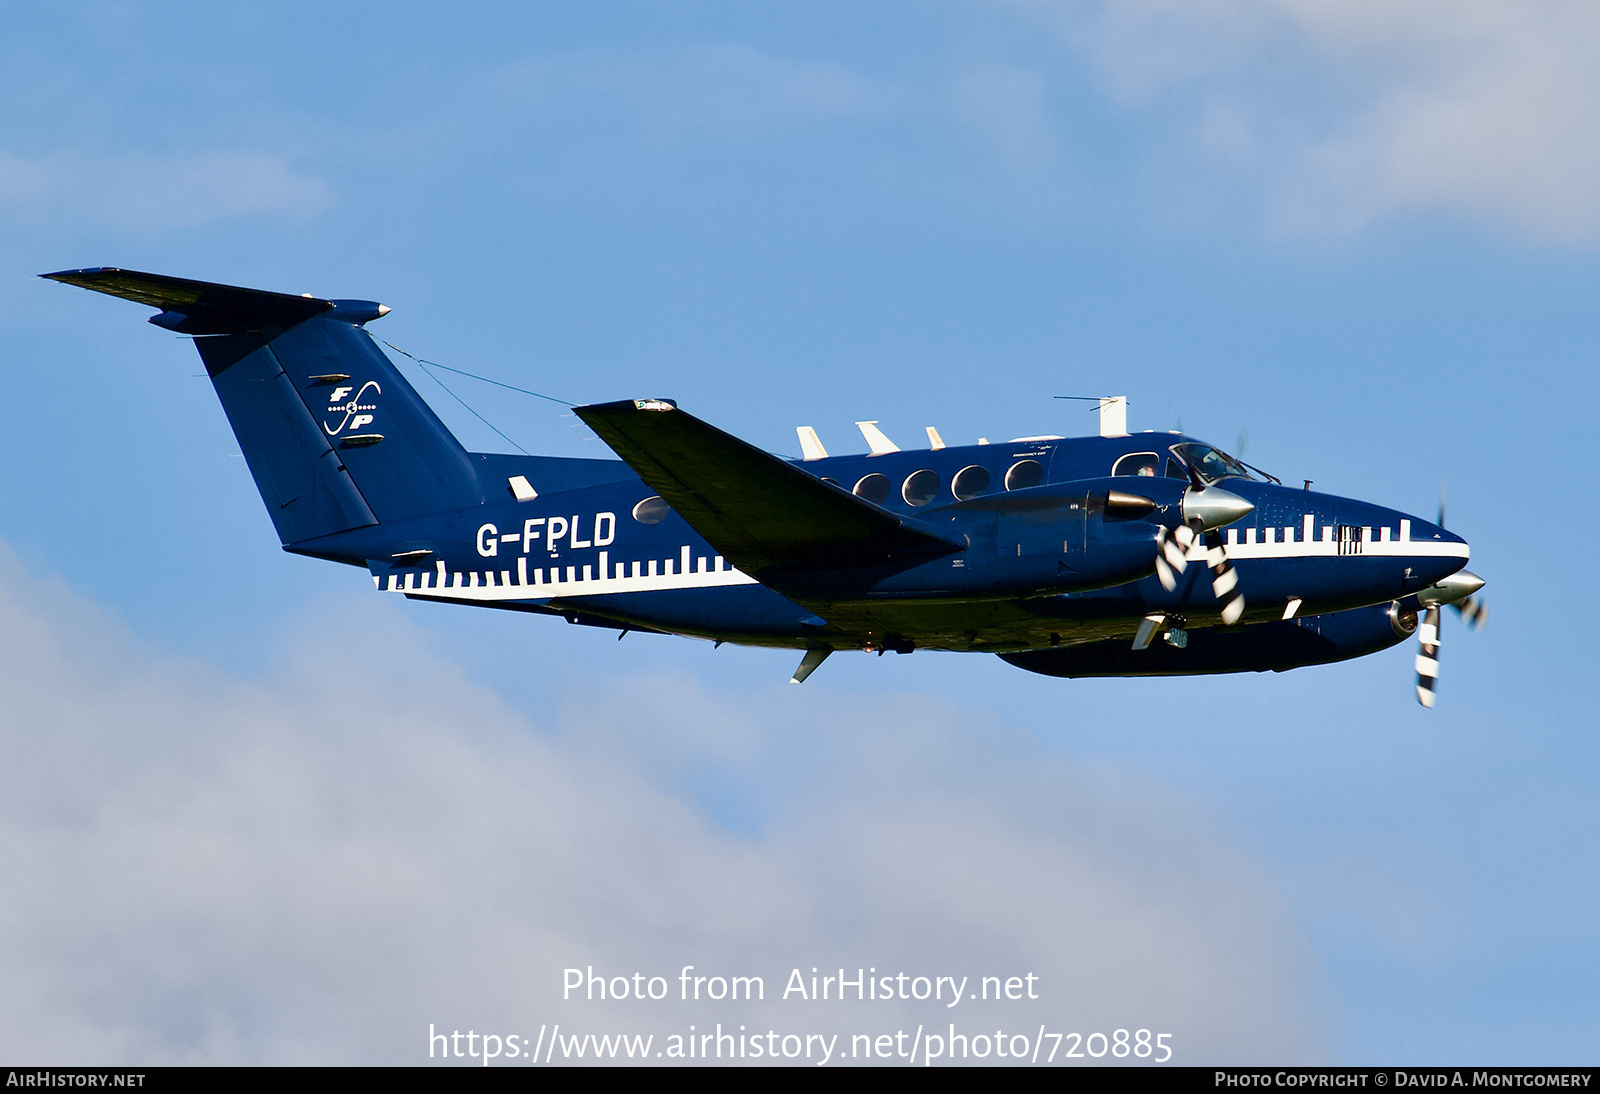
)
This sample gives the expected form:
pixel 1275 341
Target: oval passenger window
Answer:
pixel 1023 474
pixel 970 482
pixel 873 487
pixel 920 487
pixel 651 511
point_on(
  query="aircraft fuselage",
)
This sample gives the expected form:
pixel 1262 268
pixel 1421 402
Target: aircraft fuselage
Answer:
pixel 1052 572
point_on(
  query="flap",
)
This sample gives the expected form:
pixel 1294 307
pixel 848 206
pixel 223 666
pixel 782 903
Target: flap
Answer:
pixel 763 513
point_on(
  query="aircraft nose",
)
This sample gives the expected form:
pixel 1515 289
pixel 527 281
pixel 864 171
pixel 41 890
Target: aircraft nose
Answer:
pixel 1423 529
pixel 1450 589
pixel 1213 507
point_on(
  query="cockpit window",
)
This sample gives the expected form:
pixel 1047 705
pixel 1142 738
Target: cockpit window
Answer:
pixel 1211 463
pixel 1175 469
pixel 1137 463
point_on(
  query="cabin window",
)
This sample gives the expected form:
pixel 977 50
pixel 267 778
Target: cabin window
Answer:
pixel 873 488
pixel 1137 463
pixel 1023 474
pixel 920 487
pixel 970 482
pixel 651 511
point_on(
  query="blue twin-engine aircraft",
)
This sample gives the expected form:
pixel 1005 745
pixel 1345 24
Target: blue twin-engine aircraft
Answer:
pixel 1068 557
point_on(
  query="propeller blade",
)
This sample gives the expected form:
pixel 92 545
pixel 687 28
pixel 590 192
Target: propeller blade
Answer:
pixel 1428 657
pixel 1172 550
pixel 1164 574
pixel 1224 579
pixel 1474 612
pixel 1183 535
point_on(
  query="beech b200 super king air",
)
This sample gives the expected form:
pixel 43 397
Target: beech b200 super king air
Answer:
pixel 1144 554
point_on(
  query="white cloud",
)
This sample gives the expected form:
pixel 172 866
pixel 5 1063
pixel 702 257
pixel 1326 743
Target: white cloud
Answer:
pixel 1494 113
pixel 148 192
pixel 1359 109
pixel 312 866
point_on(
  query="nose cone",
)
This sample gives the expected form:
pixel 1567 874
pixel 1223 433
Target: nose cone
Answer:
pixel 1213 507
pixel 1450 589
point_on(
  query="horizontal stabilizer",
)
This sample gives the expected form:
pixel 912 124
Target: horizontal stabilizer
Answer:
pixel 765 515
pixel 198 307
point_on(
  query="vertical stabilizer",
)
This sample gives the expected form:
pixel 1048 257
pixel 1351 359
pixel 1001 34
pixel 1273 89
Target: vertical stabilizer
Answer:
pixel 333 434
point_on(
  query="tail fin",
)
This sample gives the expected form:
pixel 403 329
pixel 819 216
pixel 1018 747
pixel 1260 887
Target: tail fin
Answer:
pixel 333 434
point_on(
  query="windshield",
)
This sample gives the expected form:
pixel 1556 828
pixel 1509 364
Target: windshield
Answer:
pixel 1211 463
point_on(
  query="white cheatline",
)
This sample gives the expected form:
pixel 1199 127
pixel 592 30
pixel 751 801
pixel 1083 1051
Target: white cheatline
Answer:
pixel 597 578
pixel 1313 542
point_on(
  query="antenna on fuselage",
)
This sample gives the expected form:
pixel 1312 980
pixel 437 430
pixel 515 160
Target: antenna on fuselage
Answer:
pixel 810 444
pixel 1113 412
pixel 880 444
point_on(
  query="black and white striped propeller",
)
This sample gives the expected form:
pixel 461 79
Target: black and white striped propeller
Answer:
pixel 1172 554
pixel 1224 580
pixel 1458 591
pixel 1205 509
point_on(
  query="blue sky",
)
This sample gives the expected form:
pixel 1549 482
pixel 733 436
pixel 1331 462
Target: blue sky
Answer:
pixel 1360 240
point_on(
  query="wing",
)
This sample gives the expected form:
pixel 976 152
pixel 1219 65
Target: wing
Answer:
pixel 765 515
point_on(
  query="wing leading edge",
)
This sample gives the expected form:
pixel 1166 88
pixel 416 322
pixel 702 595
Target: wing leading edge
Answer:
pixel 768 517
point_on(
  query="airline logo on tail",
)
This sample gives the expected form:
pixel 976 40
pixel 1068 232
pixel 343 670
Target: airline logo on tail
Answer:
pixel 356 413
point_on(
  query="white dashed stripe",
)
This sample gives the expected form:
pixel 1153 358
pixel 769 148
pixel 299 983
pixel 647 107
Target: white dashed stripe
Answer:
pixel 1323 543
pixel 597 578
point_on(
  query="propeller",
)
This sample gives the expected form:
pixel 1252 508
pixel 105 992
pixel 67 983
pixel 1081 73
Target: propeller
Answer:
pixel 1458 590
pixel 1205 509
pixel 1224 579
pixel 1473 612
pixel 1472 609
pixel 1172 551
pixel 1428 657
